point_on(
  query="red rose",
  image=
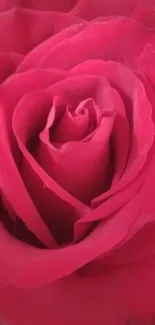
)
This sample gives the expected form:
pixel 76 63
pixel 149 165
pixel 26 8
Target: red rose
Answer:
pixel 77 162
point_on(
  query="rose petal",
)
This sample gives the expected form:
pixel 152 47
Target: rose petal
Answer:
pixel 124 79
pixel 138 249
pixel 89 300
pixel 21 261
pixel 140 246
pixel 71 124
pixel 44 189
pixel 145 63
pixel 55 205
pixel 21 29
pixel 142 11
pixel 104 40
pixel 32 59
pixel 80 167
pixel 107 236
pixel 108 271
pixel 121 138
pixel 59 5
pixel 21 203
pixel 74 165
pixel 8 64
pixel 24 206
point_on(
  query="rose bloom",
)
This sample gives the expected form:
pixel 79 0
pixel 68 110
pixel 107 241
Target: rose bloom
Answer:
pixel 77 162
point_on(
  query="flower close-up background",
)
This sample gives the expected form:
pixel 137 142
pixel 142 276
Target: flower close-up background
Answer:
pixel 77 162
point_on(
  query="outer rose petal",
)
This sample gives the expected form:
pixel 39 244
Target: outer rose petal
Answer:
pixel 104 40
pixel 33 58
pixel 56 5
pixel 139 248
pixel 141 10
pixel 8 64
pixel 20 262
pixel 117 75
pixel 22 30
pixel 20 200
pixel 118 295
pixel 119 309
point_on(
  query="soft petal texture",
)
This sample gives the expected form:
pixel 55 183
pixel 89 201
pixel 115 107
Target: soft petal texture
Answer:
pixel 69 123
pixel 21 29
pixel 81 167
pixel 141 10
pixel 59 5
pixel 75 249
pixel 93 41
pixel 74 164
pixel 124 84
pixel 97 211
pixel 8 64
pixel 104 40
pixel 105 237
pixel 23 206
pixel 47 194
pixel 33 58
pixel 121 294
pixel 21 261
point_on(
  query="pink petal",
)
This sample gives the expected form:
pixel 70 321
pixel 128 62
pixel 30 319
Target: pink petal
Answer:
pixel 33 58
pixel 59 5
pixel 121 138
pixel 120 296
pixel 140 245
pixel 54 204
pixel 21 30
pixel 107 236
pixel 73 125
pixel 124 79
pixel 21 202
pixel 141 10
pixel 15 254
pixel 74 165
pixel 8 64
pixel 80 167
pixel 105 40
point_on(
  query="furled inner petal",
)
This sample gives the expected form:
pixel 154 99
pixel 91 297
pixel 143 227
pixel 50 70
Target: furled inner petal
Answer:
pixel 80 167
pixel 54 204
pixel 74 147
pixel 67 124
pixel 71 160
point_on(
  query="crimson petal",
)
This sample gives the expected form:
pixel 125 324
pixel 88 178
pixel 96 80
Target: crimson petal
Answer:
pixel 105 40
pixel 22 30
pixel 55 205
pixel 134 88
pixel 59 5
pixel 16 86
pixel 8 64
pixel 140 10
